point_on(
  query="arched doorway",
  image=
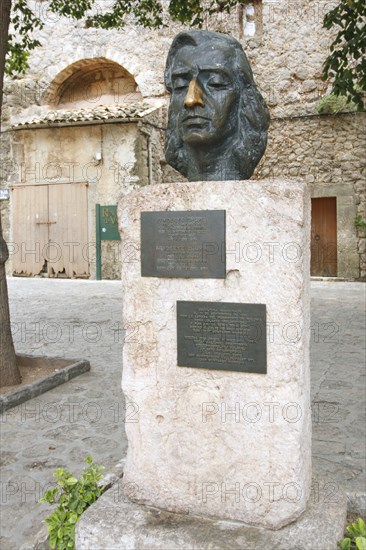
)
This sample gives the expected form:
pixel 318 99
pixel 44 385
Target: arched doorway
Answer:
pixel 69 156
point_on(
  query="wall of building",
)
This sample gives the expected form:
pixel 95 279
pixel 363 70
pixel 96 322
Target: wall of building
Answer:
pixel 286 52
pixel 328 151
pixel 286 45
pixel 102 155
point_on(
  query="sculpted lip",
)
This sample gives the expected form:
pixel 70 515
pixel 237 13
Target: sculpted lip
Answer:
pixel 194 117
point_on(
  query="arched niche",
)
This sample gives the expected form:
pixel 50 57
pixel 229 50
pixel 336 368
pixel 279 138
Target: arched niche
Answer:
pixel 92 82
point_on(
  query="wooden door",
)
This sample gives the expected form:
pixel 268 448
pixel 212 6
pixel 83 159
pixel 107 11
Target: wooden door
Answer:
pixel 324 237
pixel 50 230
pixel 30 232
pixel 68 234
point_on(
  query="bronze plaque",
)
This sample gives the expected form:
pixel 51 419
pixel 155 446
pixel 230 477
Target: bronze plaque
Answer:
pixel 222 336
pixel 183 244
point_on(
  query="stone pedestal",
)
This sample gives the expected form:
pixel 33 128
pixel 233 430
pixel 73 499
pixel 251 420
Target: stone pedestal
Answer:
pixel 211 443
pixel 114 522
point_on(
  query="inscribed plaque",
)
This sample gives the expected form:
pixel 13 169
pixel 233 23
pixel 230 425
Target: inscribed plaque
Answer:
pixel 222 336
pixel 183 244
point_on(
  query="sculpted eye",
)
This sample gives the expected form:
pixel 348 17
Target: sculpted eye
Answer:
pixel 218 84
pixel 180 84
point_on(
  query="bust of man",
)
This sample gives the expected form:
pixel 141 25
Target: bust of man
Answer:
pixel 218 120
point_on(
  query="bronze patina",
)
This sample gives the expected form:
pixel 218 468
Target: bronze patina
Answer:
pixel 218 120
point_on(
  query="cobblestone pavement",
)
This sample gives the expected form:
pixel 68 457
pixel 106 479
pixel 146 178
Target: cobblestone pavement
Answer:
pixel 338 387
pixel 82 319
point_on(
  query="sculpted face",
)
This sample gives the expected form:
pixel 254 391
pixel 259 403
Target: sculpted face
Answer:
pixel 218 120
pixel 204 95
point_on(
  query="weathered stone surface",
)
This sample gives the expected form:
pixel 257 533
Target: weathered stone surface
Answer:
pixel 214 443
pixel 70 369
pixel 318 152
pixel 114 522
pixel 59 428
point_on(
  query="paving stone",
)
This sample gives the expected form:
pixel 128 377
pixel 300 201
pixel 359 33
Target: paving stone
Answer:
pixel 61 429
pixel 47 431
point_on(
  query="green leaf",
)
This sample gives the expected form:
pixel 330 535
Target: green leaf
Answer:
pixel 73 517
pixel 75 10
pixel 73 497
pixel 361 527
pixel 71 481
pixel 345 544
pixel 342 64
pixel 53 541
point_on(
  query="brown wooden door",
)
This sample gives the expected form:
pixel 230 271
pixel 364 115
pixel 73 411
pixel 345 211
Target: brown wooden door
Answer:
pixel 50 230
pixel 324 237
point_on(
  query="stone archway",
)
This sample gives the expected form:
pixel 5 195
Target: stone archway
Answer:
pixel 91 82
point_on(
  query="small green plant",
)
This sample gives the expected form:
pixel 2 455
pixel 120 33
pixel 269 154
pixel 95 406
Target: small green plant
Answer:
pixel 73 496
pixel 359 222
pixel 356 539
pixel 334 104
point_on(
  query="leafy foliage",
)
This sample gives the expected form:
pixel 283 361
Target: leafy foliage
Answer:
pixel 146 13
pixel 346 63
pixel 150 13
pixel 334 104
pixel 73 496
pixel 356 539
pixel 71 8
pixel 20 41
pixel 192 12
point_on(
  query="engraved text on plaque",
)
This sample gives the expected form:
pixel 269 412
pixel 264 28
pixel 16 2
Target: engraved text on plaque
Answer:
pixel 222 336
pixel 183 244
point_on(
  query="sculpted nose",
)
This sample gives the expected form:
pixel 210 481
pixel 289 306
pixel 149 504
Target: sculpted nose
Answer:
pixel 194 95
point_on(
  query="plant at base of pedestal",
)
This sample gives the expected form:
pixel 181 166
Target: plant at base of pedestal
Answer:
pixel 356 538
pixel 73 497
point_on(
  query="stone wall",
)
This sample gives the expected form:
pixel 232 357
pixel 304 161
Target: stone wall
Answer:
pixel 286 52
pixel 328 151
pixel 286 45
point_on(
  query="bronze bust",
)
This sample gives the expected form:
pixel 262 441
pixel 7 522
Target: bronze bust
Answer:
pixel 218 120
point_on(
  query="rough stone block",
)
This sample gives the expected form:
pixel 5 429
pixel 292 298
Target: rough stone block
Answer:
pixel 212 443
pixel 115 522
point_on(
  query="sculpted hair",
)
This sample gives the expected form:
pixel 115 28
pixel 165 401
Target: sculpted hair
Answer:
pixel 253 117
